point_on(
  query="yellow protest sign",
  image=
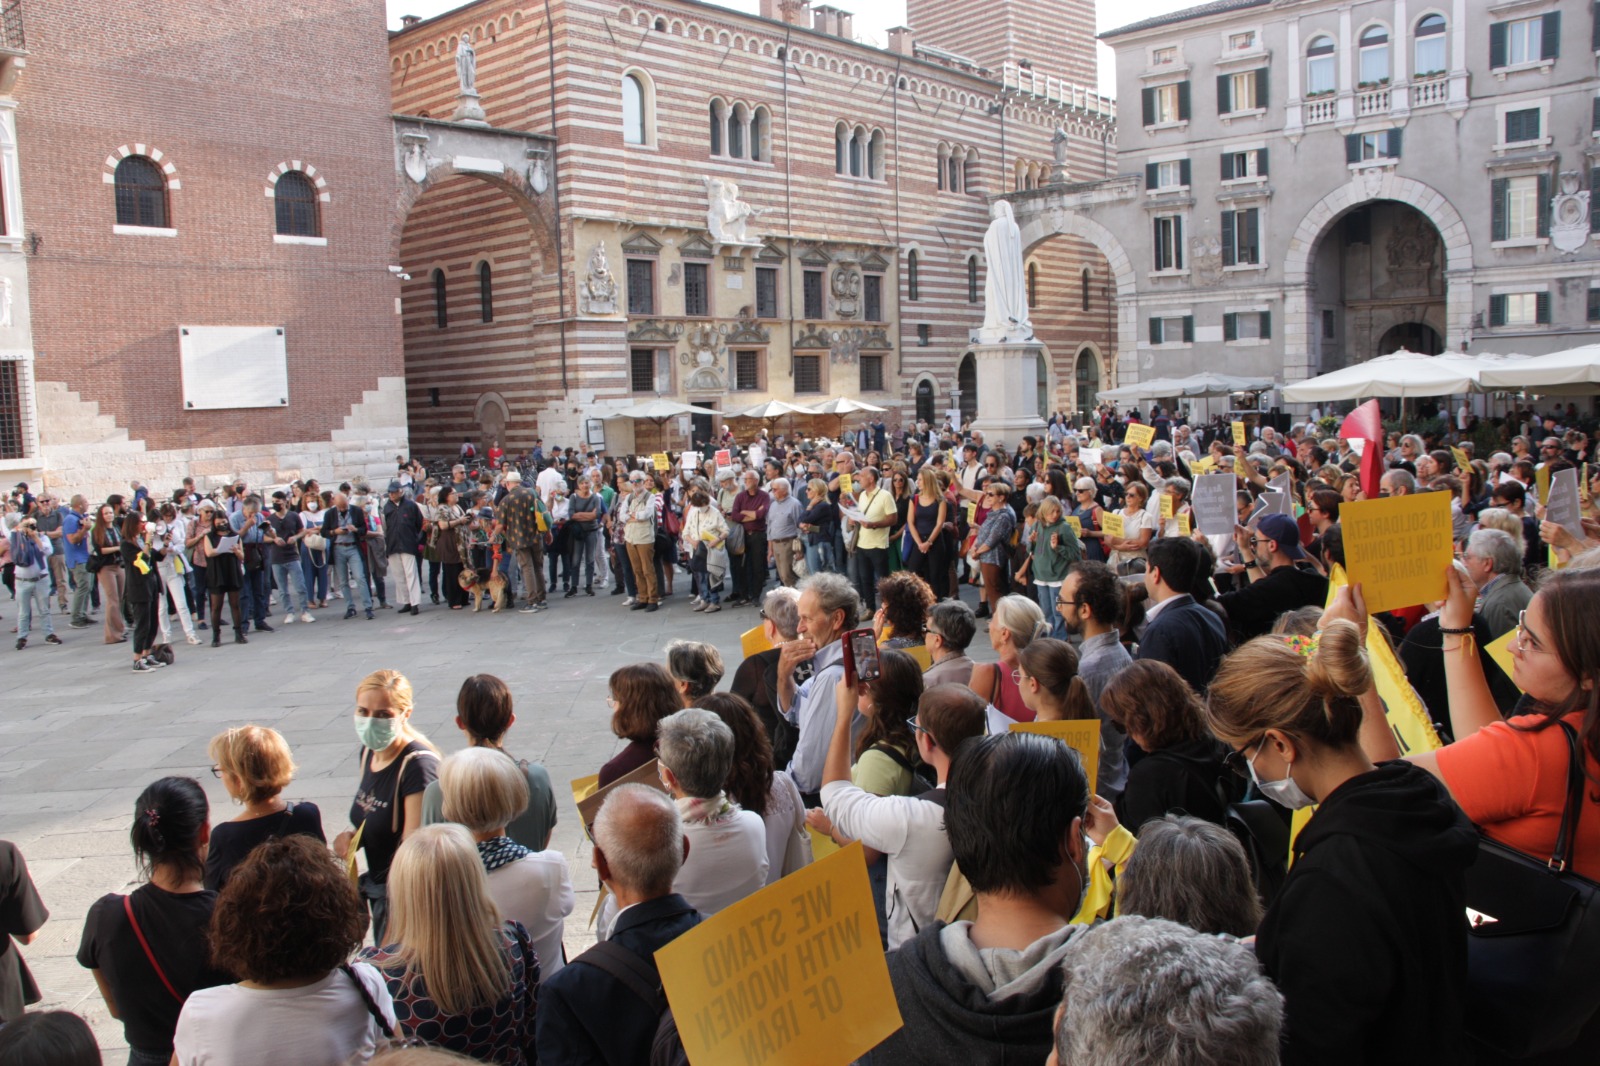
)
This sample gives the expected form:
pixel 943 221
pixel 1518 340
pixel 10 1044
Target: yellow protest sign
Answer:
pixel 353 849
pixel 754 641
pixel 1111 524
pixel 1398 548
pixel 791 975
pixel 1203 465
pixel 1542 477
pixel 1075 524
pixel 1081 735
pixel 1463 463
pixel 1140 436
pixel 661 461
pixel 822 845
pixel 584 787
pixel 1184 528
pixel 1166 506
pixel 1408 719
pixel 1499 650
pixel 1239 436
pixel 847 486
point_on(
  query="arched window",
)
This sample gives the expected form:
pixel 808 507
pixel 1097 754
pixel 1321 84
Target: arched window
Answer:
pixel 1374 55
pixel 1085 288
pixel 952 180
pixel 485 292
pixel 141 193
pixel 841 149
pixel 718 121
pixel 913 274
pixel 925 400
pixel 441 314
pixel 635 110
pixel 939 167
pixel 295 199
pixel 1033 285
pixel 1321 69
pixel 969 171
pixel 1430 59
pixel 738 127
pixel 858 152
pixel 875 156
pixel 760 135
pixel 972 279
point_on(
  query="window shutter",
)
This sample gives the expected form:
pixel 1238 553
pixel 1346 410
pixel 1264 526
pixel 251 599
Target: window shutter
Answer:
pixel 1594 30
pixel 1594 305
pixel 1394 144
pixel 1188 329
pixel 1183 98
pixel 1249 250
pixel 1352 148
pixel 1177 242
pixel 1261 87
pixel 1155 331
pixel 1497 310
pixel 1266 325
pixel 1156 243
pixel 1261 162
pixel 1229 244
pixel 1183 172
pixel 1550 35
pixel 1227 157
pixel 1499 192
pixel 1230 326
pixel 1544 205
pixel 1594 110
pixel 1148 99
pixel 1497 45
pixel 1151 175
pixel 1594 200
pixel 1541 308
pixel 1224 96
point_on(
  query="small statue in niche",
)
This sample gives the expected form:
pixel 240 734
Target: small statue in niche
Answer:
pixel 599 285
pixel 727 215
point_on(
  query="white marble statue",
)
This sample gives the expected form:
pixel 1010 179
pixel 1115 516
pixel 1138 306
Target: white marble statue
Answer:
pixel 727 214
pixel 467 66
pixel 599 287
pixel 1005 289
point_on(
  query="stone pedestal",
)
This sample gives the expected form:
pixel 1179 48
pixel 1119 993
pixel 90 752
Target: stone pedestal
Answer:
pixel 468 110
pixel 1008 389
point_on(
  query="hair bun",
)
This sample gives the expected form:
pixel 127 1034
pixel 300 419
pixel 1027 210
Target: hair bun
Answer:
pixel 1336 662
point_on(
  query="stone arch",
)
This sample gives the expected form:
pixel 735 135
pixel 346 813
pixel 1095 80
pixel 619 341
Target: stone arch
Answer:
pixel 1039 222
pixel 492 414
pixel 1083 404
pixel 541 218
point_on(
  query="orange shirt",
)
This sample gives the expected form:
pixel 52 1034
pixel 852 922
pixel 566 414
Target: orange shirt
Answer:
pixel 1513 785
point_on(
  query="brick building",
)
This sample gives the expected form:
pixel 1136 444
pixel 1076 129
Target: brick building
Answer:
pixel 207 212
pixel 533 306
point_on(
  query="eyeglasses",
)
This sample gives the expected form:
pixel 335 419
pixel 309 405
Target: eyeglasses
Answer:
pixel 915 728
pixel 216 771
pixel 1526 641
pixel 1237 761
pixel 1060 603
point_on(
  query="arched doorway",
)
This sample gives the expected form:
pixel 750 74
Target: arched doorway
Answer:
pixel 967 385
pixel 925 402
pixel 1413 337
pixel 1085 384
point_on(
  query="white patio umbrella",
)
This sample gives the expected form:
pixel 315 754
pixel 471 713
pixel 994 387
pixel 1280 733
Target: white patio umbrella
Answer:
pixel 657 411
pixel 841 406
pixel 1199 385
pixel 1400 374
pixel 772 409
pixel 1564 371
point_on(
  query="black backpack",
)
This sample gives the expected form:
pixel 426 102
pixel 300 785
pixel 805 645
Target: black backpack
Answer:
pixel 923 778
pixel 644 981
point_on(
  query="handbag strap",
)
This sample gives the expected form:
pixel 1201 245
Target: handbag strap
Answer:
pixel 366 998
pixel 1569 817
pixel 127 908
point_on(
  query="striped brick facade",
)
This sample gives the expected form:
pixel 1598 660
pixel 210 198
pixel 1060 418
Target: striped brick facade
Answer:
pixel 1054 37
pixel 648 201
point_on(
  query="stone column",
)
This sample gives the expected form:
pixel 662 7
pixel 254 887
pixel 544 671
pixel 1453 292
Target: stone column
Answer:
pixel 1008 389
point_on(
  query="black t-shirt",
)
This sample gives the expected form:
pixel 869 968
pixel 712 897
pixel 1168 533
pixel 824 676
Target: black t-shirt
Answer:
pixel 232 841
pixel 175 927
pixel 21 912
pixel 285 525
pixel 376 800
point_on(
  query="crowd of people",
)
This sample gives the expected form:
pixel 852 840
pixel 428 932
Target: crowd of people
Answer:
pixel 1031 912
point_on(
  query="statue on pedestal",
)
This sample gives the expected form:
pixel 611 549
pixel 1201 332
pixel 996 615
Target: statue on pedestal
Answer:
pixel 727 214
pixel 1005 290
pixel 468 109
pixel 599 291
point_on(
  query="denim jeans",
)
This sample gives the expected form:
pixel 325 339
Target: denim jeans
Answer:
pixel 1047 601
pixel 253 600
pixel 82 585
pixel 819 557
pixel 292 586
pixel 33 594
pixel 581 553
pixel 350 577
pixel 315 577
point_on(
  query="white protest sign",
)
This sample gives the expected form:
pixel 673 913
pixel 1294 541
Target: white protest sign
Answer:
pixel 1214 504
pixel 1563 507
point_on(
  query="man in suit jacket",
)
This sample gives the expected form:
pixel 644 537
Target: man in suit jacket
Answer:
pixel 1178 631
pixel 587 1015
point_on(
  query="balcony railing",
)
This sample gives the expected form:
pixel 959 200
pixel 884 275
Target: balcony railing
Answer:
pixel 11 26
pixel 1431 91
pixel 1024 80
pixel 1372 102
pixel 1324 110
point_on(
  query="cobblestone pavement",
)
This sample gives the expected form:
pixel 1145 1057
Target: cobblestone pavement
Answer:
pixel 81 734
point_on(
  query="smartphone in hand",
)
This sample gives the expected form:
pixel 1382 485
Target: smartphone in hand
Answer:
pixel 861 656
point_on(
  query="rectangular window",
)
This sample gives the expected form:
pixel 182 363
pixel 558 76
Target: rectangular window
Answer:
pixel 1519 309
pixel 766 292
pixel 872 373
pixel 1327 325
pixel 696 294
pixel 807 373
pixel 747 370
pixel 1251 163
pixel 1593 312
pixel 872 297
pixel 1522 125
pixel 811 286
pixel 1172 329
pixel 1169 242
pixel 1165 103
pixel 1522 208
pixel 642 370
pixel 1162 56
pixel 1365 147
pixel 924 335
pixel 1242 91
pixel 1527 40
pixel 641 287
pixel 1241 42
pixel 1241 237
pixel 11 441
pixel 1247 325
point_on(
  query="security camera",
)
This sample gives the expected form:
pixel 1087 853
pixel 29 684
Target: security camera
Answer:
pixel 400 272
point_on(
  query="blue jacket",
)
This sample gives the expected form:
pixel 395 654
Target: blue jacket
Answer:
pixel 587 1016
pixel 1189 638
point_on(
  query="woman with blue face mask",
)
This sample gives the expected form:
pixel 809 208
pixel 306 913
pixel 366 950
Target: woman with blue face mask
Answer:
pixel 397 765
pixel 1367 939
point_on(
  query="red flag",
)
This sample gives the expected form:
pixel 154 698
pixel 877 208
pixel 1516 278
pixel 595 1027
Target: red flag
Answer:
pixel 1366 423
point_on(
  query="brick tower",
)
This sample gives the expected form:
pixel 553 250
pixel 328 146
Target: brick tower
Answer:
pixel 1054 36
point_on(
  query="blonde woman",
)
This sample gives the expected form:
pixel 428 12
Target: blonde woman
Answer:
pixel 397 764
pixel 1018 621
pixel 1506 522
pixel 1128 552
pixel 462 978
pixel 924 550
pixel 255 766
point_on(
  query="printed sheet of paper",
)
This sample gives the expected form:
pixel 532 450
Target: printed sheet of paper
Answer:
pixel 1214 504
pixel 1140 436
pixel 1240 437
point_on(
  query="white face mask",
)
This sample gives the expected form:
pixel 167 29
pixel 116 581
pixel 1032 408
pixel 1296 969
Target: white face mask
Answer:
pixel 1284 793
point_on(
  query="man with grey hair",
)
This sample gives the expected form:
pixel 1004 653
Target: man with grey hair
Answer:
pixel 727 858
pixel 829 608
pixel 756 679
pixel 1149 992
pixel 589 1010
pixel 1495 563
pixel 783 529
pixel 1397 483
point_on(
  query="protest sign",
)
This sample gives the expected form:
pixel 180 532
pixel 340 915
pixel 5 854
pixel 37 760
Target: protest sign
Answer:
pixel 589 806
pixel 1111 524
pixel 1214 504
pixel 846 485
pixel 724 458
pixel 1408 719
pixel 1499 650
pixel 793 975
pixel 1140 436
pixel 822 845
pixel 1089 457
pixel 1541 478
pixel 754 641
pixel 1563 507
pixel 1081 735
pixel 1240 439
pixel 689 460
pixel 1185 526
pixel 1166 506
pixel 1398 548
pixel 1463 463
pixel 1075 524
pixel 661 461
pixel 1203 465
pixel 1282 490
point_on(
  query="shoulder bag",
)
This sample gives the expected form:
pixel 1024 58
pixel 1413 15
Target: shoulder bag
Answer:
pixel 127 908
pixel 1532 983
